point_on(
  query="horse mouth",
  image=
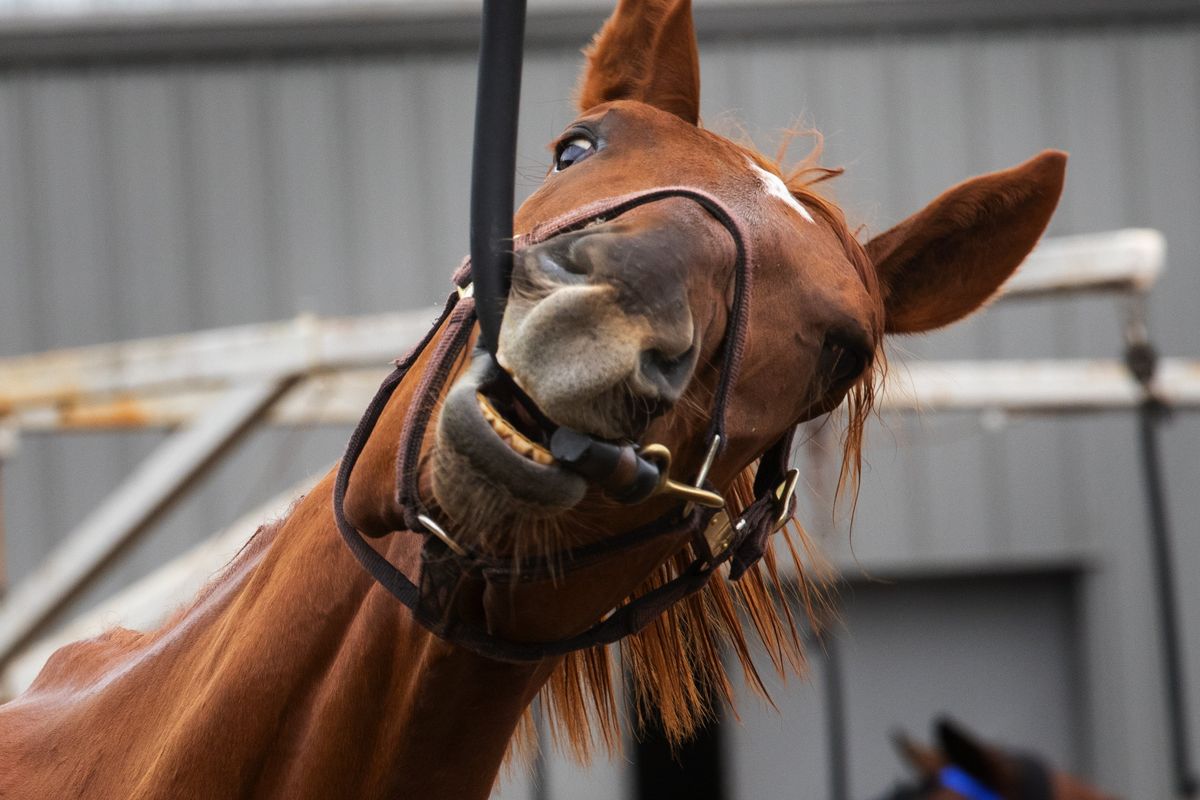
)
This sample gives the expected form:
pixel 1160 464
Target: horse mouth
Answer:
pixel 492 451
pixel 519 437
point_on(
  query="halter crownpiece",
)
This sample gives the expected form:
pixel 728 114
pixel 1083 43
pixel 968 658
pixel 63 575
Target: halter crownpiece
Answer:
pixel 620 469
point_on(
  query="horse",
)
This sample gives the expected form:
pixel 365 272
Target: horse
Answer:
pixel 727 288
pixel 964 767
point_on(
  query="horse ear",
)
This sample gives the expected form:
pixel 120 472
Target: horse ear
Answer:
pixel 646 51
pixel 966 751
pixel 924 760
pixel 945 261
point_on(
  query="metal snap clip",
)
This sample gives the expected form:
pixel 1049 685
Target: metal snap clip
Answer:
pixel 660 455
pixel 783 499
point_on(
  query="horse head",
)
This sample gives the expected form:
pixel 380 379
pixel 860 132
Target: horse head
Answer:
pixel 964 767
pixel 619 328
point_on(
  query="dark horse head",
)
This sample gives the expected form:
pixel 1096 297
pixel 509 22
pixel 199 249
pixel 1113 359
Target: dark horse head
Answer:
pixel 964 767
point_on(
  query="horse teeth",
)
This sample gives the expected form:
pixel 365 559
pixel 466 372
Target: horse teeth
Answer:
pixel 510 435
pixel 485 408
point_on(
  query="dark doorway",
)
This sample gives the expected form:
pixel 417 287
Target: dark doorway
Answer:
pixel 691 772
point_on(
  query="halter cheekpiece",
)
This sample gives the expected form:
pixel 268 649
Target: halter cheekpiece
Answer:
pixel 696 518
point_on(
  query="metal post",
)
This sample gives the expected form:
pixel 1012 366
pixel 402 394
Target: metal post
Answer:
pixel 3 562
pixel 1141 359
pixel 541 773
pixel 835 721
pixel 8 445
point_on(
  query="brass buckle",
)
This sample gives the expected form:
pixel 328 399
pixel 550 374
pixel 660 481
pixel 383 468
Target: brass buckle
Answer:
pixel 783 499
pixel 693 494
pixel 718 536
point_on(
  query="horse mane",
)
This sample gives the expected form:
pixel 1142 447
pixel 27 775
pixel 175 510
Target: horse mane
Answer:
pixel 673 669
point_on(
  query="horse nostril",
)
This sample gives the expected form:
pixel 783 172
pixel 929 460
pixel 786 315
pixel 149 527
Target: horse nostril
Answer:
pixel 668 374
pixel 557 263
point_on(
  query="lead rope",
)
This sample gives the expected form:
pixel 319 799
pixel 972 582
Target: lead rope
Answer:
pixel 745 540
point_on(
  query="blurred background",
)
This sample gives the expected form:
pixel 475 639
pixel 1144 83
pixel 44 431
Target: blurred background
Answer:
pixel 169 166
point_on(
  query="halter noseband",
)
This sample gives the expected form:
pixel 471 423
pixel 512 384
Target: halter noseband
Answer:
pixel 445 562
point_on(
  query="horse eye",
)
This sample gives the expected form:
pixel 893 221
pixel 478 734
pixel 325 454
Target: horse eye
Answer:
pixel 573 151
pixel 841 363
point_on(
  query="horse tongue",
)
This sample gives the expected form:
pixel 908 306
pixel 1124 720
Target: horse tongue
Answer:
pixel 526 423
pixel 617 469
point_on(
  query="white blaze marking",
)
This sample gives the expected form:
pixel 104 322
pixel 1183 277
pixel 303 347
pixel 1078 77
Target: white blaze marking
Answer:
pixel 776 188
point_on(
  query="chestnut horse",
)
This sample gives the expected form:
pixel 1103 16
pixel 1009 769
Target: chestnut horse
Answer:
pixel 964 767
pixel 295 675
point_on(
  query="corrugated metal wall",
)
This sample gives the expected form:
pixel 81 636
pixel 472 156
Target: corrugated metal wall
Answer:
pixel 76 8
pixel 153 198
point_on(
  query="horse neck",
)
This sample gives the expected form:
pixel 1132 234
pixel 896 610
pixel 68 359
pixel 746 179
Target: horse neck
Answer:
pixel 293 672
pixel 373 703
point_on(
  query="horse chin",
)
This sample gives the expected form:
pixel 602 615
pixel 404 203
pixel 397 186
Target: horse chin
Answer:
pixel 481 480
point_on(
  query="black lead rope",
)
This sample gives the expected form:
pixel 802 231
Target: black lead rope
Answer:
pixel 493 165
pixel 493 169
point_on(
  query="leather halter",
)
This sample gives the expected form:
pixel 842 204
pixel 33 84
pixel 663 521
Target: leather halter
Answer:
pixel 444 563
pixel 1033 781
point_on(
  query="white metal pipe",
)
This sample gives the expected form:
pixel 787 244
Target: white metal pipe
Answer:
pixel 156 482
pixel 207 359
pixel 1020 386
pixel 60 383
pixel 145 603
pixel 1129 260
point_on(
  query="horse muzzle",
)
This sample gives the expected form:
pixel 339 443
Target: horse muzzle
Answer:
pixel 489 433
